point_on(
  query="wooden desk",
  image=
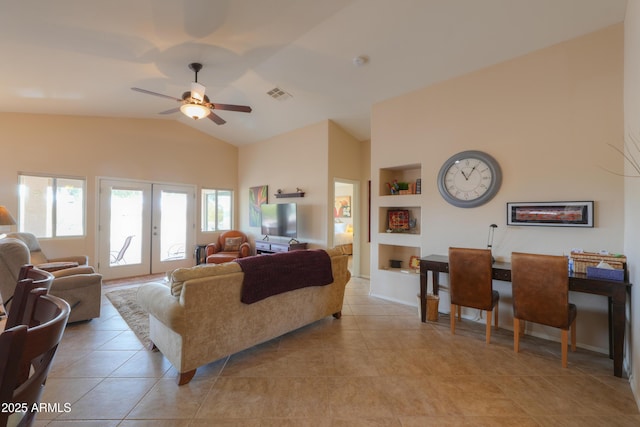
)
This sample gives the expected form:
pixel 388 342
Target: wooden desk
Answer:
pixel 616 292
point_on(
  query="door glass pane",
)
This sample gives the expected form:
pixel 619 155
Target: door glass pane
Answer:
pixel 173 225
pixel 126 227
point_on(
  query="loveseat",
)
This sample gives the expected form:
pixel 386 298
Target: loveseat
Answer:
pixel 197 316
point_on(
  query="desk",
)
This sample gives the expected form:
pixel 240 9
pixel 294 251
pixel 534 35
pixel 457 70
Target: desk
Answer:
pixel 578 282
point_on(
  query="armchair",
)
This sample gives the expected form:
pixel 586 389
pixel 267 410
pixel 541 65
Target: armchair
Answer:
pixel 40 260
pixel 80 286
pixel 231 245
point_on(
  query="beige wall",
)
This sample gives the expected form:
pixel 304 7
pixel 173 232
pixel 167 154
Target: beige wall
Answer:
pixel 148 150
pixel 295 159
pixel 547 118
pixel 632 184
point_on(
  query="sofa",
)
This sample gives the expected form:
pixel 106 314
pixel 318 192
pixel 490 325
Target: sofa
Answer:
pixel 197 316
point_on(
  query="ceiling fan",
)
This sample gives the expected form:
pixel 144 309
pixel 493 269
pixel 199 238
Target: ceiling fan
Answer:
pixel 196 104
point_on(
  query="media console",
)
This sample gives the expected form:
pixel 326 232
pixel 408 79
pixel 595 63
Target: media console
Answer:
pixel 273 247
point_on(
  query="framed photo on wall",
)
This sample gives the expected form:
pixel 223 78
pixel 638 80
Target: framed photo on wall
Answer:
pixel 257 196
pixel 551 214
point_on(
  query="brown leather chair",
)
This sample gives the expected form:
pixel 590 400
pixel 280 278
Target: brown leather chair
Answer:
pixel 231 245
pixel 541 295
pixel 471 284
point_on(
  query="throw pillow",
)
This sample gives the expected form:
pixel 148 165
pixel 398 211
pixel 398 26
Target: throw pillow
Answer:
pixel 232 244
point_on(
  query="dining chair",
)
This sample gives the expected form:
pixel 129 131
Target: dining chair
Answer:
pixel 29 278
pixel 471 285
pixel 26 354
pixel 541 295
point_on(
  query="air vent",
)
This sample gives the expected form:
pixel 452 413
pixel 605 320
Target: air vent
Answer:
pixel 279 94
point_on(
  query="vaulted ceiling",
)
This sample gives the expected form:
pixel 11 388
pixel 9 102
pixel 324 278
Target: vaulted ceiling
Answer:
pixel 81 57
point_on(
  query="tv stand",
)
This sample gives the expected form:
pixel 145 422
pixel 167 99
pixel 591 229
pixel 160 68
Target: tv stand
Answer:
pixel 275 247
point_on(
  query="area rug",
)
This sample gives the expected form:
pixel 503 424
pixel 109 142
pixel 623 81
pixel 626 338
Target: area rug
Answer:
pixel 124 300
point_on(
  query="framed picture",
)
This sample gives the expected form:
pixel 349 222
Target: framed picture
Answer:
pixel 414 263
pixel 342 207
pixel 257 197
pixel 398 219
pixel 551 214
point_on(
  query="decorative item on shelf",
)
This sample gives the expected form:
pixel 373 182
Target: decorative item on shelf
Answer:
pixel 414 263
pixel 395 263
pixel 418 186
pixel 280 194
pixel 396 187
pixel 398 220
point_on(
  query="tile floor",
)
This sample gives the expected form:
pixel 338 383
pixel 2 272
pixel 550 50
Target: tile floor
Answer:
pixel 377 366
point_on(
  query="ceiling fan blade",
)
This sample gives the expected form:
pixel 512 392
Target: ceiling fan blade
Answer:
pixel 171 111
pixel 230 107
pixel 216 118
pixel 148 92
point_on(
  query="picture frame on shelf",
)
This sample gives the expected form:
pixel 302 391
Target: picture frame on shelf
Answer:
pixel 398 220
pixel 414 263
pixel 551 214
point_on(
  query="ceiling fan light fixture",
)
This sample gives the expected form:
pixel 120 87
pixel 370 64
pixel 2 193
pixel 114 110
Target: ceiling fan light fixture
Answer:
pixel 195 111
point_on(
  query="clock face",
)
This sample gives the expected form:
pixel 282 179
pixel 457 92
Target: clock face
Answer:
pixel 469 179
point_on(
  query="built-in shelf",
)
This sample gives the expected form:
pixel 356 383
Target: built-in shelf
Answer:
pixel 287 195
pixel 411 174
pixel 386 253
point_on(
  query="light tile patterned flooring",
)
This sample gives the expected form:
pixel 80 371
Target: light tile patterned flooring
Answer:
pixel 376 366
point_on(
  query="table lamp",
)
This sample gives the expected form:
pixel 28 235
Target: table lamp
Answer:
pixel 5 219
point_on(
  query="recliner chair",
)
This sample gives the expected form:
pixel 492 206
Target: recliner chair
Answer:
pixel 80 286
pixel 40 260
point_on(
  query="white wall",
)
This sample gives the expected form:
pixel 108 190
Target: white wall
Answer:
pixel 632 184
pixel 547 118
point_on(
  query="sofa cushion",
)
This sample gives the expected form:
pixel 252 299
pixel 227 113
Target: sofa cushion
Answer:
pixel 181 275
pixel 232 244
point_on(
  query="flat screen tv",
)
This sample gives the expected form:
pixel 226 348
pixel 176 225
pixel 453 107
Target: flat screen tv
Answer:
pixel 279 220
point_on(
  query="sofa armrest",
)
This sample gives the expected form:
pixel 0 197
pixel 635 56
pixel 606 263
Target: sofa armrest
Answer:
pixel 80 259
pixel 157 300
pixel 73 271
pixel 212 248
pixel 245 250
pixel 76 280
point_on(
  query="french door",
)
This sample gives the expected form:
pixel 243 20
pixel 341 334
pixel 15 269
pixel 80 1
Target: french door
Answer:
pixel 144 228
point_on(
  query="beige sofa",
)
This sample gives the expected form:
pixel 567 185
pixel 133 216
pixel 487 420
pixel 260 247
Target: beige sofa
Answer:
pixel 198 317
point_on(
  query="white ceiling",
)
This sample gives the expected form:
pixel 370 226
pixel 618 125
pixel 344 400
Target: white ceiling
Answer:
pixel 81 57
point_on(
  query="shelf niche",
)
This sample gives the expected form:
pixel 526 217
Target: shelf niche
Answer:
pixel 405 173
pixel 386 253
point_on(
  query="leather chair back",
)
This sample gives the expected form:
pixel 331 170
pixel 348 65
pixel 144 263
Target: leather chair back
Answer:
pixel 470 278
pixel 541 289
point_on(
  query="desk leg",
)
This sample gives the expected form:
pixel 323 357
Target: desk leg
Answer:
pixel 423 297
pixel 619 303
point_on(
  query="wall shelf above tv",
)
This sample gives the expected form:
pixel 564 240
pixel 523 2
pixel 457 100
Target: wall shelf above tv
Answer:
pixel 287 195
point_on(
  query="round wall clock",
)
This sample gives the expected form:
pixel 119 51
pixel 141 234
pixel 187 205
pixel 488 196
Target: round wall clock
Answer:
pixel 469 179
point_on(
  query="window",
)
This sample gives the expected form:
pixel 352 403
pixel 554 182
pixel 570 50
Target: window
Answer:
pixel 217 210
pixel 51 206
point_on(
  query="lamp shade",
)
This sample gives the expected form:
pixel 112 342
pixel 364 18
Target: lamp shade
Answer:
pixel 5 217
pixel 195 111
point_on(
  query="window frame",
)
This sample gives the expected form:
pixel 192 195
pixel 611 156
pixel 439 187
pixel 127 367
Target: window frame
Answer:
pixel 53 214
pixel 204 222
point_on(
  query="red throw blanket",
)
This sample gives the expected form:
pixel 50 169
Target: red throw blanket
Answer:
pixel 267 275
